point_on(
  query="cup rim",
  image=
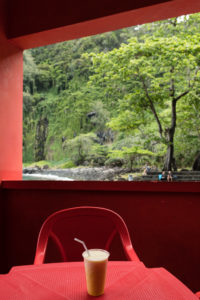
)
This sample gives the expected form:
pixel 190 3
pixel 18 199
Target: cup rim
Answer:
pixel 103 250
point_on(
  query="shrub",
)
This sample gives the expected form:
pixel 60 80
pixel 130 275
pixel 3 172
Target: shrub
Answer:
pixel 69 164
pixel 114 162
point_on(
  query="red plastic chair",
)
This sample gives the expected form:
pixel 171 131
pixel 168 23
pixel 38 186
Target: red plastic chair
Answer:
pixel 97 226
pixel 198 295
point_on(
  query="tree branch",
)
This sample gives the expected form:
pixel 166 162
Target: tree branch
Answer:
pixel 190 86
pixel 175 99
pixel 173 22
pixel 152 106
pixel 181 95
pixel 172 87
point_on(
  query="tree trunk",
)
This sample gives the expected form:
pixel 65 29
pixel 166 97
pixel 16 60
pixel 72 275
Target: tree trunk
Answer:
pixel 196 164
pixel 169 133
pixel 169 159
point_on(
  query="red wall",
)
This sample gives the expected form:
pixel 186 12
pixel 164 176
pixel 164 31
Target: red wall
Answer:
pixel 11 83
pixel 2 253
pixel 163 219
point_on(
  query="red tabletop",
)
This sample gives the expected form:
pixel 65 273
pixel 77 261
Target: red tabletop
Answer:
pixel 125 280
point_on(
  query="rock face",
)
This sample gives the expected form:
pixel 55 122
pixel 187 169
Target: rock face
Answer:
pixel 40 139
pixel 86 174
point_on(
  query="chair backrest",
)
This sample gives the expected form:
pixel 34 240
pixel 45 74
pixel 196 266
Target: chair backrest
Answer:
pixel 198 295
pixel 96 226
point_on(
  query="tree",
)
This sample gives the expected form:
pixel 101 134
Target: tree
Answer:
pixel 188 129
pixel 78 148
pixel 154 73
pixel 131 154
pixel 30 72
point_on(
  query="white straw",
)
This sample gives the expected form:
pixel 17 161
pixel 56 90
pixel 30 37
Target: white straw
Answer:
pixel 84 245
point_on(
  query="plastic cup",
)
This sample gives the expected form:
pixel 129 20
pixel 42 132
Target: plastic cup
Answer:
pixel 95 270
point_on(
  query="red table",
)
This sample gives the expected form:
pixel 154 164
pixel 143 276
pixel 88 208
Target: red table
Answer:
pixel 125 280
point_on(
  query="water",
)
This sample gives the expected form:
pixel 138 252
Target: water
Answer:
pixel 45 177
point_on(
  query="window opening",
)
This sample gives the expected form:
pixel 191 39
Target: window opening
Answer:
pixel 122 105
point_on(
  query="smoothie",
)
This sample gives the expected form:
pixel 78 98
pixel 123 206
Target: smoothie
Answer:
pixel 95 269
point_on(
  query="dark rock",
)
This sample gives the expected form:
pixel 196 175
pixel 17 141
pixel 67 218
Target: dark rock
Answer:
pixel 196 164
pixel 31 170
pixel 86 173
pixel 91 114
pixel 40 138
pixel 45 167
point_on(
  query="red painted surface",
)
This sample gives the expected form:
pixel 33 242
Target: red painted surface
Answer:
pixel 162 219
pixel 2 254
pixel 29 34
pixel 50 14
pixel 11 83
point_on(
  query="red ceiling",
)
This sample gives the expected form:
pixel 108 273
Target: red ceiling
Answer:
pixel 27 16
pixel 40 22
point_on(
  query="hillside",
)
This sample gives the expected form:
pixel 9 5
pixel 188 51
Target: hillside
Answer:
pixel 107 99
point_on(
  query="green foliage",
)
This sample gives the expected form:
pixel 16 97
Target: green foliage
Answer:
pixel 78 148
pixel 97 155
pixel 114 162
pixel 44 77
pixel 113 93
pixel 149 75
pixel 69 164
pixel 30 72
pixel 131 155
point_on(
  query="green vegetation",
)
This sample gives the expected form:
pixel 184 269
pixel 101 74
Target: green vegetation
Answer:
pixel 122 98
